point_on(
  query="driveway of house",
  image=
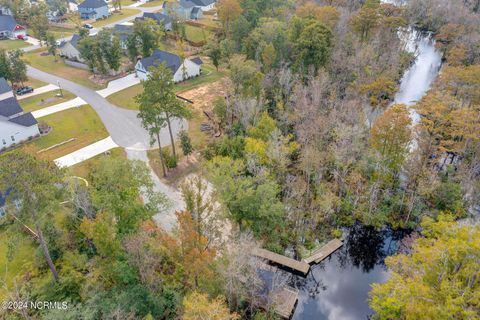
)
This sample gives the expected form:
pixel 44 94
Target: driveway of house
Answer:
pixel 44 89
pixel 119 85
pixel 77 102
pixel 86 153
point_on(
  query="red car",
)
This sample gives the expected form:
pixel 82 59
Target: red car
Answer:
pixel 22 37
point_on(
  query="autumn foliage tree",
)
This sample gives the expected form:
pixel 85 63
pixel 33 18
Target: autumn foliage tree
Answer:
pixel 438 280
pixel 197 306
pixel 390 137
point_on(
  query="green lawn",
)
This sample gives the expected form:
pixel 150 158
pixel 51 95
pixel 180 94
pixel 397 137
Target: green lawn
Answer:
pixel 21 262
pixel 82 123
pixel 196 34
pixel 208 20
pixel 83 169
pixel 116 16
pixel 60 32
pixel 154 3
pixel 44 100
pixel 13 44
pixel 47 63
pixel 34 83
pixel 126 98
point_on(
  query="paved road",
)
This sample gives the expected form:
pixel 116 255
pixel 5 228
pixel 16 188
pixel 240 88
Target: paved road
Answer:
pixel 122 124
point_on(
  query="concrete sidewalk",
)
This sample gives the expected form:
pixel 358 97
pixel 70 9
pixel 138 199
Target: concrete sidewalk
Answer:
pixel 77 102
pixel 86 153
pixel 47 88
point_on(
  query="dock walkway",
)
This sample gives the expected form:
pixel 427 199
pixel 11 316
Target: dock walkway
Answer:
pixel 285 300
pixel 323 252
pixel 300 266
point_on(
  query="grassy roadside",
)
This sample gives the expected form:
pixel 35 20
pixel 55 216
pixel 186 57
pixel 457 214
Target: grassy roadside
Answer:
pixel 13 44
pixel 45 100
pixel 82 124
pixel 48 64
pixel 82 169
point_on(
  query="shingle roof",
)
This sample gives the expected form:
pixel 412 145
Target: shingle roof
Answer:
pixel 158 17
pixel 92 4
pixel 172 61
pixel 195 3
pixel 7 23
pixel 197 60
pixel 4 87
pixel 74 41
pixel 9 107
pixel 123 28
pixel 26 120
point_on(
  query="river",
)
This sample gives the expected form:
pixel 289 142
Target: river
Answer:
pixel 338 287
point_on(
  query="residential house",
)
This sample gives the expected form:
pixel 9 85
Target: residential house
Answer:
pixel 5 11
pixel 180 70
pixel 159 18
pixel 15 125
pixel 72 6
pixel 9 28
pixel 93 9
pixel 123 31
pixel 69 49
pixel 192 9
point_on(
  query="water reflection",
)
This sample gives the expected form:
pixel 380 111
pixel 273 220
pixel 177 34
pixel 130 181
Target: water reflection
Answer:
pixel 338 287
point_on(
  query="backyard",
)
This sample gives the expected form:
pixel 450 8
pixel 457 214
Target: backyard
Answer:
pixel 41 60
pixel 81 124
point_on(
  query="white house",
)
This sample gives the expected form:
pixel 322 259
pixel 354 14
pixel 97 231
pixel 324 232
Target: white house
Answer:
pixel 181 70
pixel 9 27
pixel 15 125
pixel 69 49
pixel 191 9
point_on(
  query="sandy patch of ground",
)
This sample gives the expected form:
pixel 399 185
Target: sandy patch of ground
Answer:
pixel 204 96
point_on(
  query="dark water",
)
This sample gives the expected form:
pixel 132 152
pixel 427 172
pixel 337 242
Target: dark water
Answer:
pixel 338 287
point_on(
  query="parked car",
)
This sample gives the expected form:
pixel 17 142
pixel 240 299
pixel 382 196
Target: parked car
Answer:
pixel 22 37
pixel 88 26
pixel 24 90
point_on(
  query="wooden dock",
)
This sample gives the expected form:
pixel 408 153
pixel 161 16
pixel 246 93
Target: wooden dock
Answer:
pixel 300 266
pixel 323 252
pixel 285 300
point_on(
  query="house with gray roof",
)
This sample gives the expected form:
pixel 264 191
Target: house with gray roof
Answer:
pixel 15 125
pixel 9 28
pixel 69 49
pixel 158 17
pixel 181 70
pixel 93 9
pixel 192 9
pixel 123 32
